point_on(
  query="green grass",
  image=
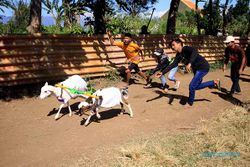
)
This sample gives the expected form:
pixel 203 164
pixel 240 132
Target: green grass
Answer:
pixel 229 132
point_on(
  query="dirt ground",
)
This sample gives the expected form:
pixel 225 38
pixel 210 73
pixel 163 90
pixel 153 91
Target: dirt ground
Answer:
pixel 29 135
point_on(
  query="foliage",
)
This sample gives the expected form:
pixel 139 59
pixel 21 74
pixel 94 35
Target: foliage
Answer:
pixel 113 75
pixel 211 20
pixel 4 3
pixel 135 7
pixel 216 65
pixel 120 24
pixel 238 18
pixel 56 10
pixel 186 23
pixel 74 29
pixel 238 26
pixel 19 21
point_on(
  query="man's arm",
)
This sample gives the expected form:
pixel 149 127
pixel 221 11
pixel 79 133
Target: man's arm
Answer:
pixel 141 54
pixel 193 56
pixel 174 64
pixel 243 62
pixel 111 39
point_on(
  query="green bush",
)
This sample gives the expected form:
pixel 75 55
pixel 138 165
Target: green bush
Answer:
pixel 74 29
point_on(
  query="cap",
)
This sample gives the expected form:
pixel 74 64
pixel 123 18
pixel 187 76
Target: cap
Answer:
pixel 158 51
pixel 229 39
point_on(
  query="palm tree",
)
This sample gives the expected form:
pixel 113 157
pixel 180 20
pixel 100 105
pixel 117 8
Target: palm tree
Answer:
pixel 35 16
pixel 56 10
pixel 4 3
pixel 224 14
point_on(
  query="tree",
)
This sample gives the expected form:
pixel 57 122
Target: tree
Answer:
pixel 186 23
pixel 224 15
pixel 4 3
pixel 67 16
pixel 172 16
pixel 198 16
pixel 238 18
pixel 211 17
pixel 35 16
pixel 135 7
pixel 55 9
pixel 19 20
pixel 99 8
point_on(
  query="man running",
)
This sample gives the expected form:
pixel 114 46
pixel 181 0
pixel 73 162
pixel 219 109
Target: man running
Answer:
pixel 132 52
pixel 192 59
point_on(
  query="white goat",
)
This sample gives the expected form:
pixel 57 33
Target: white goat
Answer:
pixel 64 95
pixel 107 98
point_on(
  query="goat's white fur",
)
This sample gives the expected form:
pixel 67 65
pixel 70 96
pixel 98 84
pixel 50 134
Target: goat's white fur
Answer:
pixel 110 97
pixel 75 82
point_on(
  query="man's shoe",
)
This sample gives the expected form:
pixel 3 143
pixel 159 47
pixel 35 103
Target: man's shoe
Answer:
pixel 165 87
pixel 177 85
pixel 149 81
pixel 218 84
pixel 147 86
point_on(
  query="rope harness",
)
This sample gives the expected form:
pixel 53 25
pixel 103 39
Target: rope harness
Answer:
pixel 74 91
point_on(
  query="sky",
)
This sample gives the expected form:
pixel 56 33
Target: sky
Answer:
pixel 160 8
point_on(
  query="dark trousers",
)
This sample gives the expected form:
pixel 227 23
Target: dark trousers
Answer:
pixel 196 84
pixel 235 76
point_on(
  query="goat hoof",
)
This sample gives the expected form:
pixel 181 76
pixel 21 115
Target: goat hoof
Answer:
pixel 56 117
pixel 131 115
pixel 98 116
pixel 70 115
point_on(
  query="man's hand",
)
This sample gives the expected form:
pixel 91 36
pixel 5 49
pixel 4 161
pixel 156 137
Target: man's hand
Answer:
pixel 241 71
pixel 143 58
pixel 188 68
pixel 109 33
pixel 158 74
pixel 110 37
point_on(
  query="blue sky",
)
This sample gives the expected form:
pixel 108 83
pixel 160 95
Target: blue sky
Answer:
pixel 160 8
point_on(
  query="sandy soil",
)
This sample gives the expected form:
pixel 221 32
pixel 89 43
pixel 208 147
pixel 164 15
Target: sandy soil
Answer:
pixel 29 135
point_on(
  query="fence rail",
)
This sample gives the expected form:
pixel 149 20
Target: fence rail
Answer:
pixel 28 59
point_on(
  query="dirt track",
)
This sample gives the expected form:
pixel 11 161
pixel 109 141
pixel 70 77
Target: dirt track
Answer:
pixel 31 137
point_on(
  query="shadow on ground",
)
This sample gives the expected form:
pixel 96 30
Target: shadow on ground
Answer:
pixel 183 99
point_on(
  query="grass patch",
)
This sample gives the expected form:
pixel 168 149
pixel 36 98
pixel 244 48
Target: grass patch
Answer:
pixel 218 65
pixel 227 134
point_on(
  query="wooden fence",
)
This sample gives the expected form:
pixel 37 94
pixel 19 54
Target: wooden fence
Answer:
pixel 28 59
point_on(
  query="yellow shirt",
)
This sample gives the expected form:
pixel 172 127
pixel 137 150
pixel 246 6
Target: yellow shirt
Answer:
pixel 131 51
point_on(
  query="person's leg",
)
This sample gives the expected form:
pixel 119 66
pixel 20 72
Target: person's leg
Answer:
pixel 128 75
pixel 195 83
pixel 143 75
pixel 233 76
pixel 128 72
pixel 237 79
pixel 171 77
pixel 163 80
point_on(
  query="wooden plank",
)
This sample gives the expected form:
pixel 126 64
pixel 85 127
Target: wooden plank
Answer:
pixel 25 58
